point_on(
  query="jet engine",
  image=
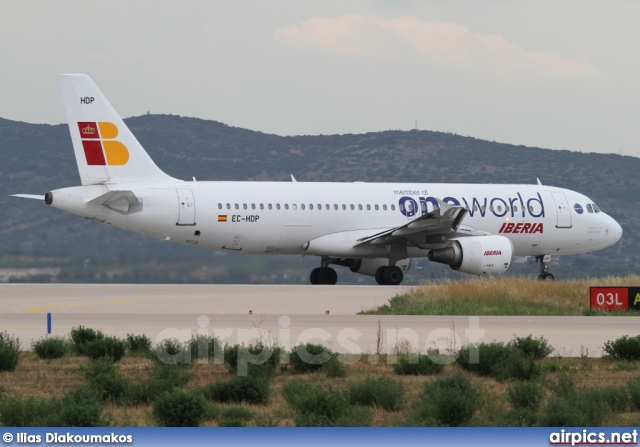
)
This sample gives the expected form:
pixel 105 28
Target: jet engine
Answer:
pixel 478 255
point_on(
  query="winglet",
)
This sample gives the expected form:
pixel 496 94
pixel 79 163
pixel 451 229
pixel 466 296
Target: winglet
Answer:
pixel 293 179
pixel 539 182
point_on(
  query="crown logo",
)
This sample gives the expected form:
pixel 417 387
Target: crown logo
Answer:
pixel 88 130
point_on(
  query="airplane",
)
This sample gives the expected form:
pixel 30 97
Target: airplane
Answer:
pixel 373 229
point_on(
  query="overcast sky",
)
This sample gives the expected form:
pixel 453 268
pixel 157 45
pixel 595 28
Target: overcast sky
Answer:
pixel 554 74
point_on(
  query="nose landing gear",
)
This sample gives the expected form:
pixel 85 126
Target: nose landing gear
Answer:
pixel 544 268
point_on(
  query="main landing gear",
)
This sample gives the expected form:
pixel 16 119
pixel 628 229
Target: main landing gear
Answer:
pixel 389 276
pixel 544 268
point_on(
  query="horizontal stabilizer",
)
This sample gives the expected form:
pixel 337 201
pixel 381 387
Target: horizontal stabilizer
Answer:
pixel 29 196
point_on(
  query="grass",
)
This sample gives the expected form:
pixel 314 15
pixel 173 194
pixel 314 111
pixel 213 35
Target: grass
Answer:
pixel 44 379
pixel 502 296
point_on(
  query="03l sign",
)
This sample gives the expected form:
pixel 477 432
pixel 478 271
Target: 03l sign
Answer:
pixel 615 298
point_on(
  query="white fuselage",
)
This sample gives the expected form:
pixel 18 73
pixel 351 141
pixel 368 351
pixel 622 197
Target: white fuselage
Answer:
pixel 281 217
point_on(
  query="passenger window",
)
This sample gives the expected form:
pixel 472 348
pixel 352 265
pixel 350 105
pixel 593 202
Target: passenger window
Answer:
pixel 335 206
pixel 327 207
pixel 277 206
pixel 302 206
pixel 377 207
pixel 253 206
pixel 219 206
pixel 286 206
pixel 295 207
pixel 484 209
pixel 244 206
pixel 530 208
pixel 270 206
pixel 344 207
pixel 352 207
pixel 499 209
pixel 228 206
pixel 384 207
pixel 475 207
pixel 261 206
pixel 589 209
pixel 319 206
pixel 237 206
pixel 515 208
pixel 393 207
pixel 311 206
pixel 368 207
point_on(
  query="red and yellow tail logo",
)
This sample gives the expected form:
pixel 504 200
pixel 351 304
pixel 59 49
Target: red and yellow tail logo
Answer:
pixel 100 146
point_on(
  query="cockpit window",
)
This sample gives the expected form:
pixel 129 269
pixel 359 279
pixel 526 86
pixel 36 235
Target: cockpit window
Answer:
pixel 589 208
pixel 596 209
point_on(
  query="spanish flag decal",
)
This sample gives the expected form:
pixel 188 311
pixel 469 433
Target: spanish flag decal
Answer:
pixel 222 217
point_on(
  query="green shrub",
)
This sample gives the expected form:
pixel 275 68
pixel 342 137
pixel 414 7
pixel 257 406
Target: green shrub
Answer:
pixel 81 336
pixel 249 389
pixel 377 391
pixel 204 347
pixel 615 398
pixel 9 351
pixel 106 347
pixel 515 365
pixel 525 395
pixel 448 401
pixel 102 375
pixel 564 386
pixel 583 407
pixel 334 367
pixel 81 407
pixel 26 412
pixel 138 344
pixel 424 365
pixel 633 386
pixel 162 378
pixel 255 360
pixel 488 355
pixel 538 348
pixel 238 413
pixel 173 352
pixel 179 409
pixel 50 347
pixel 624 348
pixel 315 406
pixel 307 358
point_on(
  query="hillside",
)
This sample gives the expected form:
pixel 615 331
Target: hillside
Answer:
pixel 38 158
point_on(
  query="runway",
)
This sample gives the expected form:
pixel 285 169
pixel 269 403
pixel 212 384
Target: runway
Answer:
pixel 286 315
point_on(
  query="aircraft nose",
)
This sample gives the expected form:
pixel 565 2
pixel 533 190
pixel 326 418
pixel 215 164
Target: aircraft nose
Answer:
pixel 615 230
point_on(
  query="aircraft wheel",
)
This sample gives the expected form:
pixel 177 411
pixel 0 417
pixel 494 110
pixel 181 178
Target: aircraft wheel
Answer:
pixel 393 276
pixel 380 275
pixel 328 276
pixel 546 277
pixel 314 276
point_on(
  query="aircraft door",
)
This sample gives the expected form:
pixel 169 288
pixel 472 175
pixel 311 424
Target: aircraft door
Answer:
pixel 186 207
pixel 563 210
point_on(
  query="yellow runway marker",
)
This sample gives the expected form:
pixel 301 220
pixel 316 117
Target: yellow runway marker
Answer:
pixel 42 309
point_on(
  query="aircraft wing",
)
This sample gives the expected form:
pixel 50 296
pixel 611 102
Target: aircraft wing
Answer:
pixel 430 228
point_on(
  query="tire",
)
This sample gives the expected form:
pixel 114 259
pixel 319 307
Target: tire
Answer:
pixel 380 275
pixel 393 276
pixel 314 276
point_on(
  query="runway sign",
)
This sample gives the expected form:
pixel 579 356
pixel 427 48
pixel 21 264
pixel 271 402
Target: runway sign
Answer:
pixel 615 298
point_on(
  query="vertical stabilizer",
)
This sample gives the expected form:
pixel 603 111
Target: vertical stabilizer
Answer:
pixel 106 150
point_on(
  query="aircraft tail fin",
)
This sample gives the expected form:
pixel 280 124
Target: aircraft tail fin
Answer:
pixel 106 150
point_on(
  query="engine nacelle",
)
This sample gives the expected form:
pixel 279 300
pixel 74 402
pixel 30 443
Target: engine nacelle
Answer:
pixel 370 266
pixel 479 255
